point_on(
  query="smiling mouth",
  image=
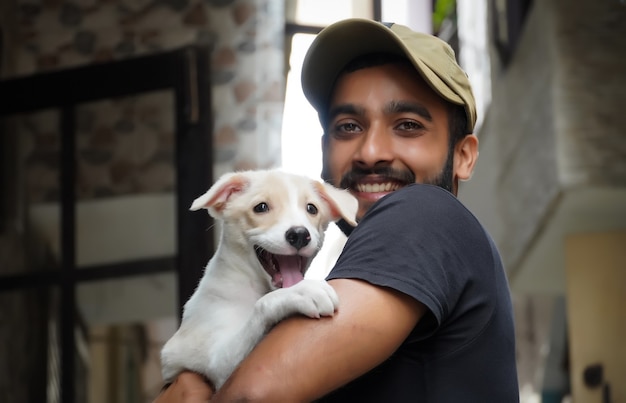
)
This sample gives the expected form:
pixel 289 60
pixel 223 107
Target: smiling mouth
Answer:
pixel 285 270
pixel 377 187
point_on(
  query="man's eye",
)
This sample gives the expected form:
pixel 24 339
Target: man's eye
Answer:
pixel 410 125
pixel 347 127
pixel 345 131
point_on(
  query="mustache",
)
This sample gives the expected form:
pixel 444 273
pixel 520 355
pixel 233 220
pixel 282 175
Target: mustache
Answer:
pixel 352 177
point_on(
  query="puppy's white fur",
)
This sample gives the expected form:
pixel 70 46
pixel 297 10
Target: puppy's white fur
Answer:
pixel 237 301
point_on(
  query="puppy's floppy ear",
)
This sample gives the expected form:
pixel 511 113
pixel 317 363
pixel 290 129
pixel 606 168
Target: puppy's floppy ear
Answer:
pixel 342 204
pixel 216 197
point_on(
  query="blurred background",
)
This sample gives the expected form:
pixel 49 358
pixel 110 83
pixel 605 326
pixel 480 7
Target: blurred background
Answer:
pixel 116 114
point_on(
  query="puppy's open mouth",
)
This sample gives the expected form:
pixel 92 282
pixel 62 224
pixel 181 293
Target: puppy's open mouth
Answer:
pixel 285 270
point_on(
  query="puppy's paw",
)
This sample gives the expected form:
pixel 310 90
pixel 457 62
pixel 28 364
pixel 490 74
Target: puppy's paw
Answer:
pixel 313 298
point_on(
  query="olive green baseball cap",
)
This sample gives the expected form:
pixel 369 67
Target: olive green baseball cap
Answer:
pixel 339 43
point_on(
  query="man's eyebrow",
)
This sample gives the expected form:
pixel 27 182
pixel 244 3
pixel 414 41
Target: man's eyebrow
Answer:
pixel 408 107
pixel 347 109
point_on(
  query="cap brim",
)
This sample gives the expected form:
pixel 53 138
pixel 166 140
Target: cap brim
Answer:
pixel 338 44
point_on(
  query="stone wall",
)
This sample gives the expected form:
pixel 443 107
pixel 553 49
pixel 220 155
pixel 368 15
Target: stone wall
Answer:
pixel 125 146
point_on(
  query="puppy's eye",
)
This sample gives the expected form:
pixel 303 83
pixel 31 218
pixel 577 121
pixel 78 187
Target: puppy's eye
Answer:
pixel 261 208
pixel 311 209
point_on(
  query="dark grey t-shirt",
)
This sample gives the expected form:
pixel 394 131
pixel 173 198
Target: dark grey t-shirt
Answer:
pixel 422 241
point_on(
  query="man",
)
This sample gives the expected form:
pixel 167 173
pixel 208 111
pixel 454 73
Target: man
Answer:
pixel 425 311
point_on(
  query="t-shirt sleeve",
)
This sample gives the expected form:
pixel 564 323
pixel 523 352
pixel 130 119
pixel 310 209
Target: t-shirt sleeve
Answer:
pixel 411 241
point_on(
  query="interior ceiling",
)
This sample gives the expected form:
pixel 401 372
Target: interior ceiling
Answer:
pixel 579 211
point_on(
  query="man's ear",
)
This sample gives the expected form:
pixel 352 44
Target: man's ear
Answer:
pixel 465 156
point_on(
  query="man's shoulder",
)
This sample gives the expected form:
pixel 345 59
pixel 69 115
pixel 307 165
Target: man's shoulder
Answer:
pixel 421 199
pixel 424 193
pixel 427 189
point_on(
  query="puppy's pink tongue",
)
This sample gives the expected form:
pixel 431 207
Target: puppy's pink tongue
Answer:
pixel 290 269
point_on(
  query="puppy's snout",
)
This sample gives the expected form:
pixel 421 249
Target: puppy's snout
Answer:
pixel 298 237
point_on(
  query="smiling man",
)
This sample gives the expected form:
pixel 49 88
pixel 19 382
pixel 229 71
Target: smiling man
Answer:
pixel 425 311
pixel 391 133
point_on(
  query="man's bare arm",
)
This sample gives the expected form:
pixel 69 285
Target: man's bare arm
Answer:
pixel 303 359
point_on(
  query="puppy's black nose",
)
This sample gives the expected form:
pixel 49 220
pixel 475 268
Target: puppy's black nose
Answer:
pixel 298 237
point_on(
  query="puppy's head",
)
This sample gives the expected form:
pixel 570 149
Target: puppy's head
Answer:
pixel 277 217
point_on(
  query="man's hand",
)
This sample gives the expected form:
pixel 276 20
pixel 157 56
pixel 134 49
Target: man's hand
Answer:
pixel 188 387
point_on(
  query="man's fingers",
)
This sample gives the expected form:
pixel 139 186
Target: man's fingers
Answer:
pixel 188 387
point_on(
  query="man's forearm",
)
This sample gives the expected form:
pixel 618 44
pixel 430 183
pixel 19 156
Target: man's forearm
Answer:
pixel 303 359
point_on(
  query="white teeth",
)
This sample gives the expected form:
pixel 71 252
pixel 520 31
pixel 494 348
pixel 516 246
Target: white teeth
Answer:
pixel 377 187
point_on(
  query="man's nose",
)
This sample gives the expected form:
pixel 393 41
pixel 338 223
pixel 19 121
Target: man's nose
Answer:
pixel 375 148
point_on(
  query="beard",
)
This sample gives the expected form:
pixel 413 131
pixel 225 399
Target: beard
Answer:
pixel 444 179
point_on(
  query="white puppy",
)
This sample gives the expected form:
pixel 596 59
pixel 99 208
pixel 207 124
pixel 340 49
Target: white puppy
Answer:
pixel 273 224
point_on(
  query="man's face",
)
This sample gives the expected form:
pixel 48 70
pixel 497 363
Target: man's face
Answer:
pixel 386 129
